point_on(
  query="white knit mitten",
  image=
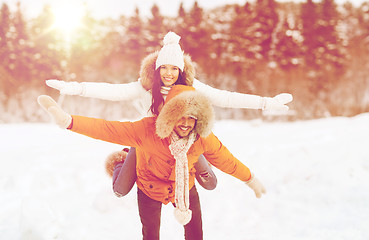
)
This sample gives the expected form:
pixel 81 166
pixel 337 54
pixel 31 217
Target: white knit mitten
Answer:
pixel 68 88
pixel 256 185
pixel 60 117
pixel 276 103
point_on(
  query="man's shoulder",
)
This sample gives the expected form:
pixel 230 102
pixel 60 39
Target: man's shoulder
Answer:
pixel 209 139
pixel 146 122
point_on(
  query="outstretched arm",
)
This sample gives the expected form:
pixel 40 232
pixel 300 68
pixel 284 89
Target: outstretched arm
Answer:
pixel 124 133
pixel 105 91
pixel 218 155
pixel 223 98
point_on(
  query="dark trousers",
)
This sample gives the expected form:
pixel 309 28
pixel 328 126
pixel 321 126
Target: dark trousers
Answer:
pixel 150 214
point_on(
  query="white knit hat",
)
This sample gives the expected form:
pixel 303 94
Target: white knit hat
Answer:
pixel 171 53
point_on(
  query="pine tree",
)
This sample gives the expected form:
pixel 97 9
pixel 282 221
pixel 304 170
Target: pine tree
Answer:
pixel 156 30
pixel 356 32
pixel 134 46
pixel 267 20
pixel 7 81
pixel 313 43
pixel 83 54
pixel 196 37
pixel 22 60
pixel 243 51
pixel 310 17
pixel 332 56
pixel 47 46
pixel 181 27
pixel 190 40
pixel 181 11
pixel 288 54
pixel 4 31
pixel 111 48
pixel 244 45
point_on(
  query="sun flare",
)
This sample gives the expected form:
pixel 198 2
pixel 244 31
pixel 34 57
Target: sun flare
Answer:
pixel 68 15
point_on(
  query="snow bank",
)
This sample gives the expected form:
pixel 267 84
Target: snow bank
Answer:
pixel 53 184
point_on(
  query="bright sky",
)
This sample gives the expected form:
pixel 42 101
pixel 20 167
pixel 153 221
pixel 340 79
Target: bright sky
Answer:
pixel 113 8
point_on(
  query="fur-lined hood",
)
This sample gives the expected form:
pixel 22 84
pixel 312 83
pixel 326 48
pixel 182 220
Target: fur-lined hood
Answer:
pixel 184 101
pixel 148 68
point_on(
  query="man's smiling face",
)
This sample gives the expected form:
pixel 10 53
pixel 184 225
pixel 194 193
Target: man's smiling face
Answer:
pixel 184 126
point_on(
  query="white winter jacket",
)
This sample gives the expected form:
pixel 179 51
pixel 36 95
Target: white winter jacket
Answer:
pixel 139 92
pixel 141 98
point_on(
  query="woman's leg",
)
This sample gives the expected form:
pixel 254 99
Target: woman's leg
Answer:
pixel 204 174
pixel 193 230
pixel 150 214
pixel 124 176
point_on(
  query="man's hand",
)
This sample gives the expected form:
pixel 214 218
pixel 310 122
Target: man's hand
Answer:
pixel 277 103
pixel 60 117
pixel 256 185
pixel 67 88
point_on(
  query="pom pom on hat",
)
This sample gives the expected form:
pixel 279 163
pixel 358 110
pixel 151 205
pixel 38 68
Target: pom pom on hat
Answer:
pixel 171 53
pixel 171 38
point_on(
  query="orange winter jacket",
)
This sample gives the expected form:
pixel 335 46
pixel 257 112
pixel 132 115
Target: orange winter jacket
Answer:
pixel 155 164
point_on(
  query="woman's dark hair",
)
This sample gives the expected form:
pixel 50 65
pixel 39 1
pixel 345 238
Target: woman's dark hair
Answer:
pixel 157 97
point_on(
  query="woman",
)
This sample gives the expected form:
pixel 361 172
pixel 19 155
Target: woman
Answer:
pixel 159 72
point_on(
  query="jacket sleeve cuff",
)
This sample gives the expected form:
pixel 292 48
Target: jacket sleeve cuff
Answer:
pixel 250 180
pixel 71 124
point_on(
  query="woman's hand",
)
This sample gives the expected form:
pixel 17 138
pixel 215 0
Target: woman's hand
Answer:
pixel 276 103
pixel 67 88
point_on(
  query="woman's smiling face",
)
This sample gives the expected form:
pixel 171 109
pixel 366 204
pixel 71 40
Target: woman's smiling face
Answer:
pixel 169 74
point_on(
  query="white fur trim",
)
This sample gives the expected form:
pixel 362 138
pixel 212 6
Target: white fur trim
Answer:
pixel 188 103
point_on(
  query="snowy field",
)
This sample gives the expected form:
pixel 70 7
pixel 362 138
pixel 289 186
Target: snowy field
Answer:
pixel 53 185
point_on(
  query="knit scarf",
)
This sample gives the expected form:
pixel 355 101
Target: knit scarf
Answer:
pixel 164 91
pixel 179 148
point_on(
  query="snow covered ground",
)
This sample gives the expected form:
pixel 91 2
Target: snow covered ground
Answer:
pixel 53 185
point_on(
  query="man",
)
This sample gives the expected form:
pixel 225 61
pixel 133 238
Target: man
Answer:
pixel 167 147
